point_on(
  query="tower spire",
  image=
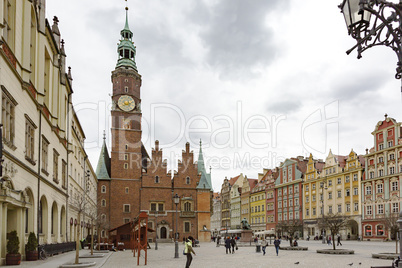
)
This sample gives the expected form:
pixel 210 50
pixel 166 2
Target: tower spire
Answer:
pixel 126 48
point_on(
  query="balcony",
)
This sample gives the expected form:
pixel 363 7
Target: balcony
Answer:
pixel 187 214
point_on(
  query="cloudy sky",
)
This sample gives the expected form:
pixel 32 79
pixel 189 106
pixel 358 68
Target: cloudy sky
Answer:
pixel 258 80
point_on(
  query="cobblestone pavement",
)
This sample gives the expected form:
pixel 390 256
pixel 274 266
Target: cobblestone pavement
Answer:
pixel 208 255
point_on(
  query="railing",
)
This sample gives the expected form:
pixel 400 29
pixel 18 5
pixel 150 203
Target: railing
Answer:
pixel 53 249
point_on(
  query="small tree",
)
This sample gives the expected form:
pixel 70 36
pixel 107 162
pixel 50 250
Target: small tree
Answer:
pixel 390 222
pixel 13 243
pixel 290 227
pixel 333 222
pixel 32 244
pixel 79 205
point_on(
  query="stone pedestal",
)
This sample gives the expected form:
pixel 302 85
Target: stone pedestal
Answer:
pixel 246 235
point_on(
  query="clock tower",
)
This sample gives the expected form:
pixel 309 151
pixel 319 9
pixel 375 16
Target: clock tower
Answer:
pixel 127 153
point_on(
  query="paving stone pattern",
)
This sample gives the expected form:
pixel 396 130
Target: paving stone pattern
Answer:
pixel 208 255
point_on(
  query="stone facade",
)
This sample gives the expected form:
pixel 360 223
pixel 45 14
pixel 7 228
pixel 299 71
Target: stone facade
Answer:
pixel 48 186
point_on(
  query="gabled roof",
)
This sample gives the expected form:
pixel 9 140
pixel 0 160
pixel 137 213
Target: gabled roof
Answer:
pixel 233 180
pixel 253 183
pixel 341 160
pixel 103 168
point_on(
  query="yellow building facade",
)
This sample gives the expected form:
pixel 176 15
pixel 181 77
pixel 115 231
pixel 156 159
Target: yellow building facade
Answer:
pixel 257 207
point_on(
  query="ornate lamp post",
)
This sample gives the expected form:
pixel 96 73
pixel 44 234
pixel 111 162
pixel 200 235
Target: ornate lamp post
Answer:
pixel 374 23
pixel 176 199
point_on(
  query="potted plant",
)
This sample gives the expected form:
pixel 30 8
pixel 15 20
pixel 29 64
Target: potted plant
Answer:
pixel 13 256
pixel 31 247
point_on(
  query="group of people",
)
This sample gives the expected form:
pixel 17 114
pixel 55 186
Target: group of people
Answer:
pixel 338 238
pixel 230 245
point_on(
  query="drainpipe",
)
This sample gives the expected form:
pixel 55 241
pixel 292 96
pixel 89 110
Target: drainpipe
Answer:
pixel 39 162
pixel 68 162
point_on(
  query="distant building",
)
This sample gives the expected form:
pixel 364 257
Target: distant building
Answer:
pixel 257 205
pixel 216 216
pixel 288 188
pixel 248 185
pixel 235 202
pixel 381 185
pixel 271 176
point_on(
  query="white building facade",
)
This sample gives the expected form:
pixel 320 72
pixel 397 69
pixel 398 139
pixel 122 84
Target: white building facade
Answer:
pixel 37 187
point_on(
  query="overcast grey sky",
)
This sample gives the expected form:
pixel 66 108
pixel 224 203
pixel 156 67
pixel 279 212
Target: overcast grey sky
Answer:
pixel 258 80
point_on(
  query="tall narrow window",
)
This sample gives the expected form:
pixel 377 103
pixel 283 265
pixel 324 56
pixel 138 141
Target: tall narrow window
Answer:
pixel 55 166
pixel 9 23
pixel 29 140
pixel 45 148
pixel 8 118
pixel 64 174
pixel 188 180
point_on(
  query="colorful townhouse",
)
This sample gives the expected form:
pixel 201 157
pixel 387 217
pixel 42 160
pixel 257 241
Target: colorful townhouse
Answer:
pixel 235 202
pixel 288 188
pixel 257 205
pixel 271 176
pixel 216 215
pixel 313 186
pixel 248 185
pixel 381 189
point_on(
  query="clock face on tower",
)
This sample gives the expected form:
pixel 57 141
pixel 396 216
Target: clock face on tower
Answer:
pixel 126 103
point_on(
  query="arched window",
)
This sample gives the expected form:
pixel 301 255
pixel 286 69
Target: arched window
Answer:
pixel 379 229
pixel 367 230
pixel 187 206
pixel 103 203
pixel 188 180
pixel 103 217
pixel 156 179
pixel 103 190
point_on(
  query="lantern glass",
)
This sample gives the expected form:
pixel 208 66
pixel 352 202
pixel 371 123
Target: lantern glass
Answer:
pixel 354 14
pixel 176 199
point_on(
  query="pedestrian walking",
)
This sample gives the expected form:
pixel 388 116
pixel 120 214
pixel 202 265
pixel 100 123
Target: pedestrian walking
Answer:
pixel 188 249
pixel 227 245
pixel 264 246
pixel 329 240
pixel 233 244
pixel 277 242
pixel 339 240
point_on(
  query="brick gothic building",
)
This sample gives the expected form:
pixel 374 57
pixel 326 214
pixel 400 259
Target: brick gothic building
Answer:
pixel 130 181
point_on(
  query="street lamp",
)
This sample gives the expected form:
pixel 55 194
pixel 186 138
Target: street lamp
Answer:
pixel 176 199
pixel 322 199
pixel 384 29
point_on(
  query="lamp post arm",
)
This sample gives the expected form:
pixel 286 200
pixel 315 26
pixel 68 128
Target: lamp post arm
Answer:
pixel 375 35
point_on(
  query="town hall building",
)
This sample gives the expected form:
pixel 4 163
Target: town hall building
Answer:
pixel 131 181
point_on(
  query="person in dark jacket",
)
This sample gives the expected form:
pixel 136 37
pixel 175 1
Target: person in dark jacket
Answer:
pixel 339 240
pixel 277 242
pixel 227 244
pixel 233 244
